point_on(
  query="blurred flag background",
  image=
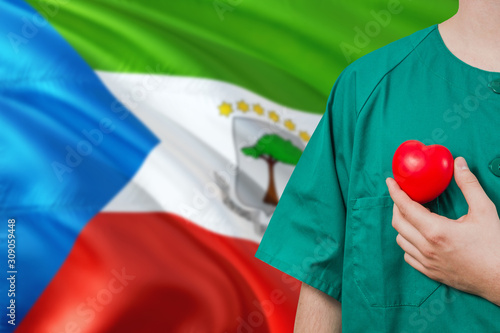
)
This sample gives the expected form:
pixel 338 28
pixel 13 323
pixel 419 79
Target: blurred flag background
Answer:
pixel 145 144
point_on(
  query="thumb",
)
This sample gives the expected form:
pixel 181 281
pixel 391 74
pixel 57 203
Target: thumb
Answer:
pixel 469 185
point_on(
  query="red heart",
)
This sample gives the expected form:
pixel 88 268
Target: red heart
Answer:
pixel 423 172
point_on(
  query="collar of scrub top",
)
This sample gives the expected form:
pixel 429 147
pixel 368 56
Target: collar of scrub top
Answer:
pixel 462 76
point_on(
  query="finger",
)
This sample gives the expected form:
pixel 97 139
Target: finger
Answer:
pixel 407 230
pixel 469 185
pixel 409 248
pixel 415 263
pixel 412 211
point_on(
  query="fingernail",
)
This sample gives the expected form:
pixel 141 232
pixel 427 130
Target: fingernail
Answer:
pixel 461 163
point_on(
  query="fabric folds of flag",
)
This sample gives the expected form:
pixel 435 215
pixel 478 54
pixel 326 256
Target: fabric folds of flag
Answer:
pixel 144 147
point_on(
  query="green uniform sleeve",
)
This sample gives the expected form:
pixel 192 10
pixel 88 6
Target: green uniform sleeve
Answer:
pixel 305 236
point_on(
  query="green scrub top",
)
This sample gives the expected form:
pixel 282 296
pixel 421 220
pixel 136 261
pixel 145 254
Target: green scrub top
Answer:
pixel 332 226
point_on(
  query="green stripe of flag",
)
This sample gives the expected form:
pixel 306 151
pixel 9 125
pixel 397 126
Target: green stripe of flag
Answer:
pixel 287 51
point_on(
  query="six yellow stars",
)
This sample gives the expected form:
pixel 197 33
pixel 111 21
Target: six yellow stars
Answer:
pixel 225 109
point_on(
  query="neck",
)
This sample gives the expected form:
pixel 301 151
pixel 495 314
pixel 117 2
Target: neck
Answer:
pixel 473 33
pixel 479 19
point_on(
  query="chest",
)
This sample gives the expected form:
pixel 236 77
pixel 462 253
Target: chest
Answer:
pixel 467 124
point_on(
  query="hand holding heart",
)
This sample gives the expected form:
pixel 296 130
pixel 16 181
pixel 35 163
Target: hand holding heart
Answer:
pixel 462 253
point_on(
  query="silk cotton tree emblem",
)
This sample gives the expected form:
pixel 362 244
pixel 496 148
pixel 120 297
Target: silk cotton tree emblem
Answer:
pixel 272 149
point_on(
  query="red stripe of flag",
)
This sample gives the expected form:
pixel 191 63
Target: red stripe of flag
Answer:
pixel 157 272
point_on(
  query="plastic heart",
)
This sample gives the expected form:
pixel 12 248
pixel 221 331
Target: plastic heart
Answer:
pixel 423 172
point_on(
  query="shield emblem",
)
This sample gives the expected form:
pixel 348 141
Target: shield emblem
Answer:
pixel 266 155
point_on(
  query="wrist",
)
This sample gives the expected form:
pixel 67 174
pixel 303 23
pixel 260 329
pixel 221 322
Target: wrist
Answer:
pixel 491 291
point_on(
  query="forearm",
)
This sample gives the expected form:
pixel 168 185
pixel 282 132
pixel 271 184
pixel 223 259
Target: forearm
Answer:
pixel 317 312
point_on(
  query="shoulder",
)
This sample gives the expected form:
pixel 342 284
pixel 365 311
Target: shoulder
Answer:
pixel 364 74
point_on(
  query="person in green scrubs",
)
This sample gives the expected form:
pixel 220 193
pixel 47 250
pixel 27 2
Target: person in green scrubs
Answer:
pixel 370 258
